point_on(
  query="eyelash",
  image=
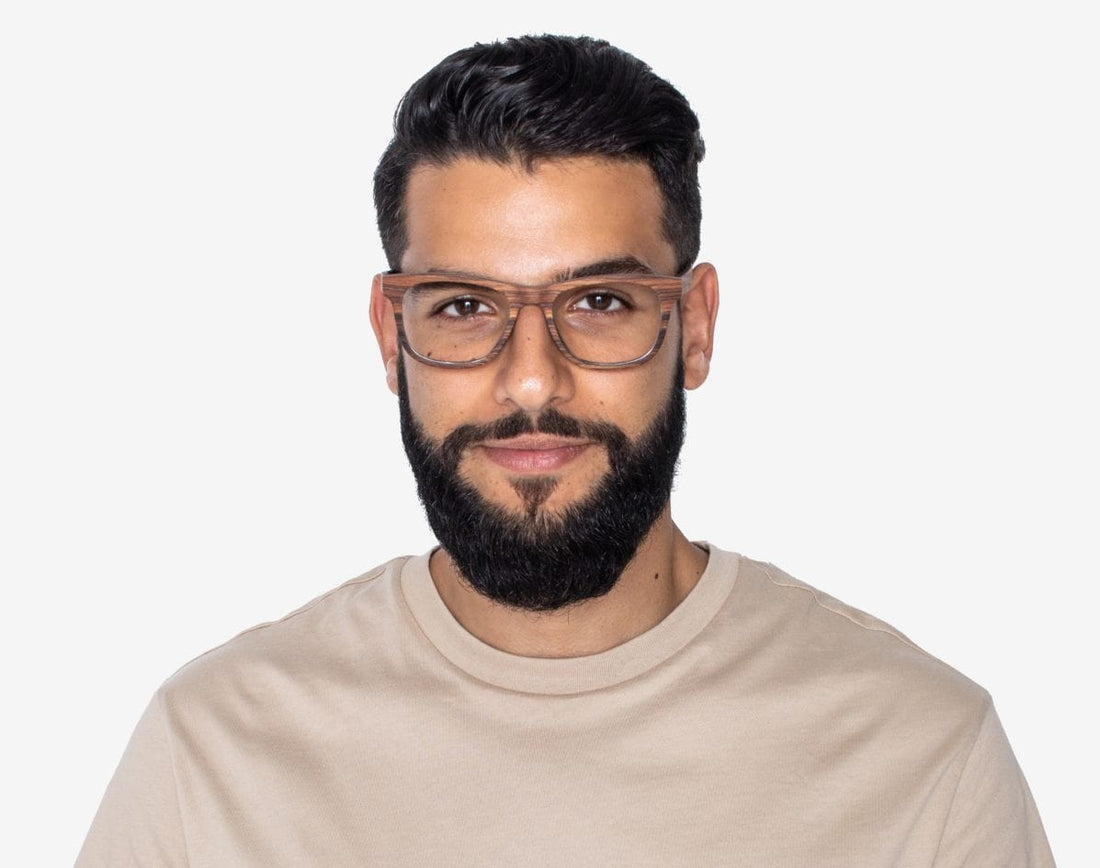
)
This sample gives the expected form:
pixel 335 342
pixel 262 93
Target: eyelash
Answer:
pixel 617 302
pixel 454 302
pixel 623 304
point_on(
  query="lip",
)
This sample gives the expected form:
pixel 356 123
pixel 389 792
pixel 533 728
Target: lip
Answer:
pixel 533 453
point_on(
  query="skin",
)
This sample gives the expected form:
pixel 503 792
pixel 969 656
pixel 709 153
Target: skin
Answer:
pixel 533 227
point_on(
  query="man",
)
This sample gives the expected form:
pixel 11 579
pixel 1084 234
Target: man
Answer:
pixel 567 679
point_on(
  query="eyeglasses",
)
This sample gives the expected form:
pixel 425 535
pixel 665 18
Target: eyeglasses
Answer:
pixel 611 321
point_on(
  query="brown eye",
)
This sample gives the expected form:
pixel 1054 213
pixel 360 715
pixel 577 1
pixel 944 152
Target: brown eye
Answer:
pixel 463 307
pixel 603 302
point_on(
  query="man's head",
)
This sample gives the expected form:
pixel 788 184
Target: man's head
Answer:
pixel 530 464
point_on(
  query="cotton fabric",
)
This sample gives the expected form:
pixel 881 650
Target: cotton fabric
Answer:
pixel 761 723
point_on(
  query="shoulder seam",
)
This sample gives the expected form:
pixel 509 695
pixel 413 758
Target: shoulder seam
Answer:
pixel 158 697
pixel 986 708
pixel 823 605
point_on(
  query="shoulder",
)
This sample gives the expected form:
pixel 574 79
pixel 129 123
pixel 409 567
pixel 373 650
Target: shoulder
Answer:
pixel 341 628
pixel 793 596
pixel 817 638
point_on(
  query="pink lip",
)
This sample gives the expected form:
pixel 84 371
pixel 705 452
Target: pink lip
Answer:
pixel 533 453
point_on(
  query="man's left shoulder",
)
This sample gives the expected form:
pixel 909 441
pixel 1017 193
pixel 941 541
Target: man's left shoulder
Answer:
pixel 836 613
pixel 831 639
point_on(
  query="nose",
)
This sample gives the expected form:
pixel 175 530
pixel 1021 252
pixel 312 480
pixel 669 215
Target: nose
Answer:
pixel 531 373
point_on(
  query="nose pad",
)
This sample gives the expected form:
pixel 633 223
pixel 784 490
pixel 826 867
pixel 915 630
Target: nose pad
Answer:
pixel 532 371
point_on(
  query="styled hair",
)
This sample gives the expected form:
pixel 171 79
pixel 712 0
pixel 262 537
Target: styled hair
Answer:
pixel 542 97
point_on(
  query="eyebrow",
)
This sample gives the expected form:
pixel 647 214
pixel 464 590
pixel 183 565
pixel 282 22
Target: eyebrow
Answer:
pixel 617 265
pixel 614 265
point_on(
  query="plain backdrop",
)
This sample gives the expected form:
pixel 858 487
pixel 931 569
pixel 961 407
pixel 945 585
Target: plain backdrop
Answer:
pixel 901 200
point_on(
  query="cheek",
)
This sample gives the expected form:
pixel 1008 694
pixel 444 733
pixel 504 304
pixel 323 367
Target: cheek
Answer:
pixel 442 400
pixel 632 398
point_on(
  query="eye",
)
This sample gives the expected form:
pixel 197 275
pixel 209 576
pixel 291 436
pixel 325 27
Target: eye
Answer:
pixel 600 301
pixel 466 306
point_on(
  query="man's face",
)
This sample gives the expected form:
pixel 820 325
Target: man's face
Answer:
pixel 565 218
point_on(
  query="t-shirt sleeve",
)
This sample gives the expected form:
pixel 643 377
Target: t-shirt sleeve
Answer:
pixel 993 820
pixel 138 821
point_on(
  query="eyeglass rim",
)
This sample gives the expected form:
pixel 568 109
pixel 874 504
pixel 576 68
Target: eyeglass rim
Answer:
pixel 669 290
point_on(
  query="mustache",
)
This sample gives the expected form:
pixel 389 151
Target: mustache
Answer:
pixel 549 421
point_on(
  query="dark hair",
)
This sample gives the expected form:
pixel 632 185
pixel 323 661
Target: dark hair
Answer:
pixel 535 97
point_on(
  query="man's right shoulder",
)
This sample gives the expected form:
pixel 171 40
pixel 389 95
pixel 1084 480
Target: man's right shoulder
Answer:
pixel 341 625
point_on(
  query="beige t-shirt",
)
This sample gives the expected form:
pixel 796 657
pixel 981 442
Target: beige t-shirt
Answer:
pixel 762 723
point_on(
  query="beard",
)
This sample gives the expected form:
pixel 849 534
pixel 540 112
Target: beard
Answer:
pixel 536 559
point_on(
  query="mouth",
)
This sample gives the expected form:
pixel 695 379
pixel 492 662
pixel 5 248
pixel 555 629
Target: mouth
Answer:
pixel 533 453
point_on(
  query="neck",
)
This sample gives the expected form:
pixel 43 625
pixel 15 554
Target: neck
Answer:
pixel 661 574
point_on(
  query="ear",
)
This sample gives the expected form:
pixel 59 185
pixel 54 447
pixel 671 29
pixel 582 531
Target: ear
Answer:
pixel 698 309
pixel 385 331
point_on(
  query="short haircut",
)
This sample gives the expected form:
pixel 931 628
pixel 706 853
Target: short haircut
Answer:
pixel 542 97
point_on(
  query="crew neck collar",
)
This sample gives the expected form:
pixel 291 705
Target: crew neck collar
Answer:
pixel 561 676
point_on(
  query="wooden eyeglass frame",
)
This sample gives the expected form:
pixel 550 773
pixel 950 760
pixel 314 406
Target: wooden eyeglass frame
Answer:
pixel 668 289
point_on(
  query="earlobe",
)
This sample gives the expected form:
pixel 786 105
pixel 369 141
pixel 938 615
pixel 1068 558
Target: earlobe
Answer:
pixel 698 310
pixel 391 373
pixel 385 331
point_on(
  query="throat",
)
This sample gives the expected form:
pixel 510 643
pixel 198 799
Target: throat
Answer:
pixel 667 568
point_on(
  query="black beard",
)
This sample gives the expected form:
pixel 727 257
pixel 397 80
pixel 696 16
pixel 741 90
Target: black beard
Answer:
pixel 539 561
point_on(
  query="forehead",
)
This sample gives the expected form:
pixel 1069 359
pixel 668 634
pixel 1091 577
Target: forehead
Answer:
pixel 525 225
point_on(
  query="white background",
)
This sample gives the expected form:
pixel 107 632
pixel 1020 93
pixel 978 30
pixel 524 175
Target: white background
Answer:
pixel 901 199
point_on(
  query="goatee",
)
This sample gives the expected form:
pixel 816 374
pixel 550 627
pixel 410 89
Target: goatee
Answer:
pixel 539 560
